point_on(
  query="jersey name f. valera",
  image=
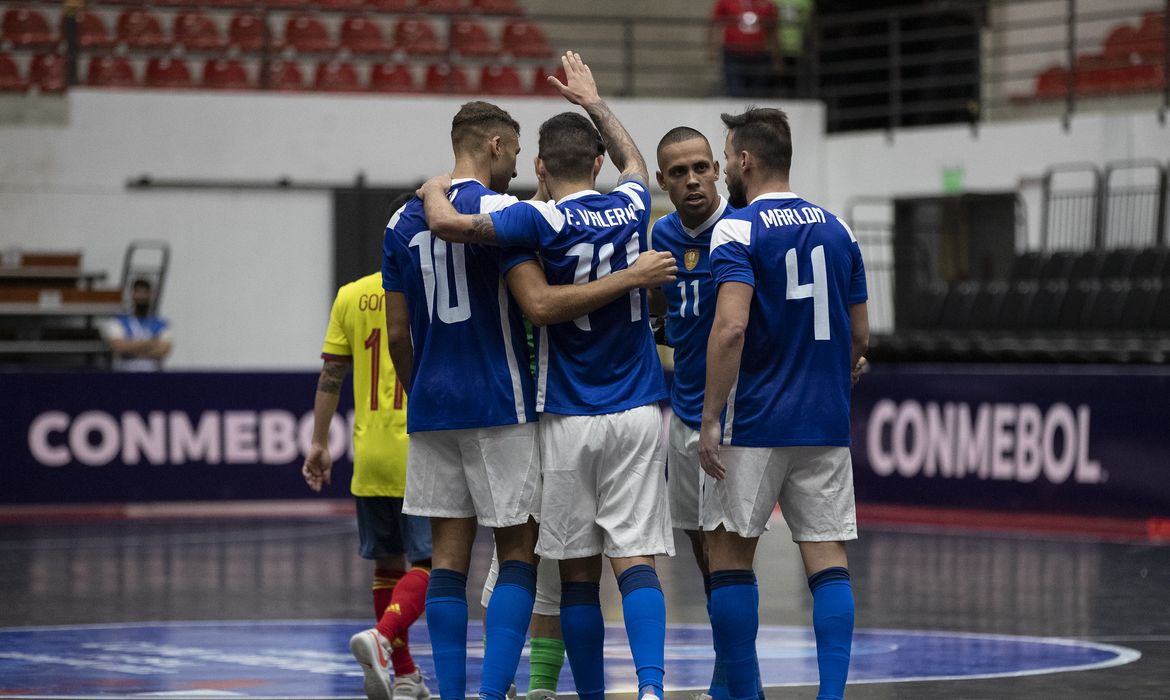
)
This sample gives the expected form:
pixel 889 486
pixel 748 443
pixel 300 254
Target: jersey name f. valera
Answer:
pixel 690 307
pixel 357 334
pixel 606 361
pixel 806 269
pixel 470 351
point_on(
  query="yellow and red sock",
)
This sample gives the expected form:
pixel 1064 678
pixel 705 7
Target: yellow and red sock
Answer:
pixel 384 582
pixel 406 605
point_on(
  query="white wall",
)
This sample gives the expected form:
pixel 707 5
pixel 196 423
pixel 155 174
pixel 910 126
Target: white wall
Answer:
pixel 252 272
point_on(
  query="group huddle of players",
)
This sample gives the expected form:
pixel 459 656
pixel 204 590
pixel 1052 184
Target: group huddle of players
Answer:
pixel 765 308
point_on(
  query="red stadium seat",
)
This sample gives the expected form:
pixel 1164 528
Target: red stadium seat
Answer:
pixel 443 78
pixel 247 31
pixel 196 31
pixel 496 7
pixel 1150 41
pixel 440 7
pixel 391 78
pixel 110 71
pixel 225 74
pixel 25 27
pixel 540 84
pixel 286 75
pixel 92 32
pixel 1093 74
pixel 139 29
pixel 307 34
pixel 389 5
pixel 416 37
pixel 230 3
pixel 500 80
pixel 287 4
pixel 1120 44
pixel 360 35
pixel 10 80
pixel 1051 84
pixel 470 39
pixel 337 77
pixel 47 72
pixel 524 39
pixel 168 73
pixel 342 5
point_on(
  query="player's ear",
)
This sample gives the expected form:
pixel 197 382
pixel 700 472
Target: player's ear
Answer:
pixel 715 168
pixel 746 161
pixel 496 146
pixel 661 180
pixel 538 164
pixel 597 163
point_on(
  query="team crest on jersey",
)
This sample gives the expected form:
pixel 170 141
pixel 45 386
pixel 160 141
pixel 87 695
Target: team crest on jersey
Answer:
pixel 691 258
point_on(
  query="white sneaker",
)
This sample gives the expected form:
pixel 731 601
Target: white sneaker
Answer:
pixel 542 694
pixel 411 687
pixel 372 651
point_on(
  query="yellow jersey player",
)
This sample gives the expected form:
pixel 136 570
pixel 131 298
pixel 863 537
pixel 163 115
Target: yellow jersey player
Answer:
pixel 357 338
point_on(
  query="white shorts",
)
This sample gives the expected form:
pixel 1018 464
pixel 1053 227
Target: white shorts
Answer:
pixel 492 474
pixel 604 486
pixel 548 587
pixel 814 486
pixel 686 481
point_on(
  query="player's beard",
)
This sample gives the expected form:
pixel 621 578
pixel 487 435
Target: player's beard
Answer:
pixel 736 192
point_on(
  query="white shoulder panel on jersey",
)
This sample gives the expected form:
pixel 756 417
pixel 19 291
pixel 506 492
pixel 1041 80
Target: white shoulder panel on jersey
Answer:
pixel 632 189
pixel 495 202
pixel 847 229
pixel 731 231
pixel 549 211
pixel 397 215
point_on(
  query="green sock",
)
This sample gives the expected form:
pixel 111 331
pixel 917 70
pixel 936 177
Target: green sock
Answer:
pixel 544 663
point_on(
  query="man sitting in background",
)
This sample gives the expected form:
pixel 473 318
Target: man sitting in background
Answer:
pixel 140 340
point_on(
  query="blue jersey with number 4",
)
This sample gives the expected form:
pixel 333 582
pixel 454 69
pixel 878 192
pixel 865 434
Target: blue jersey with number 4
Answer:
pixel 806 269
pixel 690 308
pixel 470 349
pixel 606 361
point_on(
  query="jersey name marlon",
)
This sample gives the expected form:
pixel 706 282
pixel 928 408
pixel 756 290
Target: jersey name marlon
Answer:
pixel 806 269
pixel 470 351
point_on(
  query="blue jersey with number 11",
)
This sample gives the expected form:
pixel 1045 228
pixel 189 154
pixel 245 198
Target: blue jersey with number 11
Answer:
pixel 606 361
pixel 470 349
pixel 806 270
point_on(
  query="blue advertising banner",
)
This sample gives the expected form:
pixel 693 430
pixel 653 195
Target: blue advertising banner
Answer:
pixel 1082 440
pixel 96 437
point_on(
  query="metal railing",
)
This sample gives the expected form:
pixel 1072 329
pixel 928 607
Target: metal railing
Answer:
pixel 872 222
pixel 1123 205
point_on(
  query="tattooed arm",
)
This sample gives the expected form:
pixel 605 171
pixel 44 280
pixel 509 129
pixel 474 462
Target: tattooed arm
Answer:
pixel 447 223
pixel 319 463
pixel 582 90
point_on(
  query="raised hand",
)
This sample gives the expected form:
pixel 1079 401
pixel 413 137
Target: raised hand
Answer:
pixel 581 88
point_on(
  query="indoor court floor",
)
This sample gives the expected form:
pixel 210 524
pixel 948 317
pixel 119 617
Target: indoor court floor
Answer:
pixel 263 607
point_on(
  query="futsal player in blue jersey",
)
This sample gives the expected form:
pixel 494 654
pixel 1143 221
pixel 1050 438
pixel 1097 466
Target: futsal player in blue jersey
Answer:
pixel 457 340
pixel 599 381
pixel 790 325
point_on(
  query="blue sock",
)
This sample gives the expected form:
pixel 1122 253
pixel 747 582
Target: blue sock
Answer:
pixel 735 619
pixel 583 630
pixel 506 623
pixel 644 609
pixel 718 688
pixel 833 625
pixel 447 624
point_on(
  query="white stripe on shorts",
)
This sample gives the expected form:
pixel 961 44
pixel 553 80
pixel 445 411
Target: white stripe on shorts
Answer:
pixel 510 353
pixel 729 418
pixel 542 369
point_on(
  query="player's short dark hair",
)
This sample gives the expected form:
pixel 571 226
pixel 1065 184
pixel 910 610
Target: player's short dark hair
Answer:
pixel 478 120
pixel 568 145
pixel 763 132
pixel 141 283
pixel 677 135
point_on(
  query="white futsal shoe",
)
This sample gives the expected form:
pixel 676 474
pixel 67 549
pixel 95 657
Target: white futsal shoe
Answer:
pixel 372 651
pixel 412 686
pixel 542 694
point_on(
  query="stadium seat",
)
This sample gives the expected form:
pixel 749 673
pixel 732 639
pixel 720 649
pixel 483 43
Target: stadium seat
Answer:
pixel 337 77
pixel 524 39
pixel 287 4
pixel 1118 264
pixel 287 76
pixel 391 78
pixel 500 80
pixel 10 80
pixel 1057 267
pixel 416 37
pixel 470 39
pixel 540 84
pixel 1044 311
pixel 247 32
pixel 1074 308
pixel 167 73
pixel 956 308
pixel 1026 266
pixel 1120 44
pixel 496 7
pixel 225 74
pixel 1087 266
pixel 1107 312
pixel 26 27
pixel 1151 263
pixel 389 5
pixel 1139 305
pixel 92 32
pixel 985 309
pixel 1093 74
pixel 1150 41
pixel 110 71
pixel 46 72
pixel 360 35
pixel 1052 83
pixel 1160 313
pixel 139 29
pixel 307 34
pixel 342 5
pixel 440 7
pixel 443 78
pixel 196 31
pixel 1017 306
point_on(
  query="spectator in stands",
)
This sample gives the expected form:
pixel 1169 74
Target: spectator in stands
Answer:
pixel 793 16
pixel 140 340
pixel 750 52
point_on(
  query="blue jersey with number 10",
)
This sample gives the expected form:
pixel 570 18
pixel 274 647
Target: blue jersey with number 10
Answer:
pixel 690 308
pixel 606 361
pixel 470 348
pixel 805 266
